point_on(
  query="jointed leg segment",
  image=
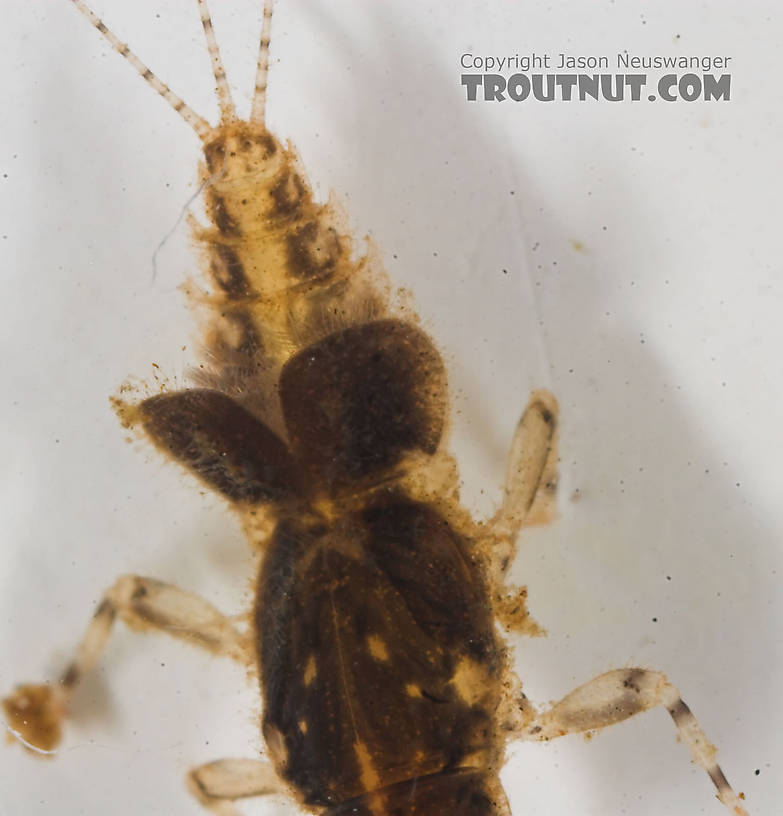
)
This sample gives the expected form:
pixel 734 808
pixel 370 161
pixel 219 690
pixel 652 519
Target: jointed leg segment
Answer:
pixel 611 697
pixel 618 695
pixel 35 712
pixel 528 498
pixel 219 783
pixel 531 473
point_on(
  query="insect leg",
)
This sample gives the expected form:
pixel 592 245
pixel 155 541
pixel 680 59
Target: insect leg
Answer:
pixel 531 476
pixel 35 712
pixel 618 695
pixel 532 467
pixel 219 783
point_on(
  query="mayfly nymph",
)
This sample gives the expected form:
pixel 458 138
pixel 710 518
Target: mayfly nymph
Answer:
pixel 320 415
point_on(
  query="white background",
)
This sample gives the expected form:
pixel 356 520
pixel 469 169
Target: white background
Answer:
pixel 642 285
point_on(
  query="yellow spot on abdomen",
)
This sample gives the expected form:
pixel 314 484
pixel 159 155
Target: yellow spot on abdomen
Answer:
pixel 310 670
pixel 377 648
pixel 471 681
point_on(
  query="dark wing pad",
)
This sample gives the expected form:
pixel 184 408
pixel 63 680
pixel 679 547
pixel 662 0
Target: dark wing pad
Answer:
pixel 222 443
pixel 356 401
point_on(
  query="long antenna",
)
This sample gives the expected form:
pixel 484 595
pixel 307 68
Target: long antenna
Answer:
pixel 258 109
pixel 227 111
pixel 198 123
